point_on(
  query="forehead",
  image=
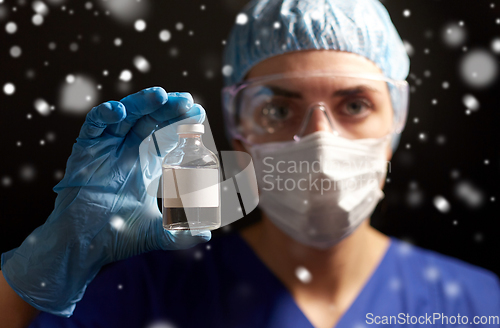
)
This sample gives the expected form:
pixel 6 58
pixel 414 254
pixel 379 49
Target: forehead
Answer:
pixel 313 86
pixel 307 60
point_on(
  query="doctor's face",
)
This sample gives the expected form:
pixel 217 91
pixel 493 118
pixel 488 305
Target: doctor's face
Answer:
pixel 279 109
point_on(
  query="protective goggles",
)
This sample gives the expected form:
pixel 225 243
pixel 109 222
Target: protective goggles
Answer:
pixel 285 107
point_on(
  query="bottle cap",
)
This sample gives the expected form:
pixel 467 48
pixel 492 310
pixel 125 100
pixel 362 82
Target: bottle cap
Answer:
pixel 191 128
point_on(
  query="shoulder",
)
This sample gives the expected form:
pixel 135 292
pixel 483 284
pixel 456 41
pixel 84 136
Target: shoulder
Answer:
pixel 449 283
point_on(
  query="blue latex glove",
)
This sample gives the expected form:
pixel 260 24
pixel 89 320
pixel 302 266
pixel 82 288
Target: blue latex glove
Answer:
pixel 102 212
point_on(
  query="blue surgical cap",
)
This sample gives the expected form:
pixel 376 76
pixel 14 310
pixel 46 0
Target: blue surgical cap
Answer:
pixel 266 28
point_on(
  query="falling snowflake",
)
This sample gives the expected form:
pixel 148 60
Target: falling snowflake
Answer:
pixel 303 274
pixel 70 78
pixel 454 35
pixel 174 52
pixel 471 102
pixel 50 136
pixel 140 25
pixel 15 51
pixel 126 75
pixel 117 223
pixel 40 7
pixel 42 107
pixel 142 64
pixel 58 175
pixel 431 273
pixel 395 284
pixel 241 19
pixel 161 324
pixel 440 139
pixel 442 204
pixel 126 11
pixel 11 27
pixel 227 70
pixel 478 68
pixel 165 35
pixel 6 181
pixel 73 94
pixel 469 194
pixel 9 89
pixel 452 289
pixel 495 45
pixel 37 19
pixel 414 197
pixel 405 248
pixel 27 172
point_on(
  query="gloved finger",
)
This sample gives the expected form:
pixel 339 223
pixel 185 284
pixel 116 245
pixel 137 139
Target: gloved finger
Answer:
pixel 138 105
pixel 178 105
pixel 196 114
pixel 100 117
pixel 166 134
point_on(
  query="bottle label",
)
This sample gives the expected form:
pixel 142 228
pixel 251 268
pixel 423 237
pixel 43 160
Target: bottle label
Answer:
pixel 191 187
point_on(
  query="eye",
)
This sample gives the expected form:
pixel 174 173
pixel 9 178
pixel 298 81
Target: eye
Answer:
pixel 276 112
pixel 355 108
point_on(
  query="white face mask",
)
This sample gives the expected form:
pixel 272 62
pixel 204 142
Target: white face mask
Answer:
pixel 320 189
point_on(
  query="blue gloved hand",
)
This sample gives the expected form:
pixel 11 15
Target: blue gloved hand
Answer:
pixel 103 212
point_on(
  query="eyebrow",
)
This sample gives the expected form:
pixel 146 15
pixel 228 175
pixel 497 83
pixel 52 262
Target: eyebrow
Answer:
pixel 283 92
pixel 339 93
pixel 354 91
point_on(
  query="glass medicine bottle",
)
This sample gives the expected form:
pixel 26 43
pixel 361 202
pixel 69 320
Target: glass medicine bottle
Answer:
pixel 191 188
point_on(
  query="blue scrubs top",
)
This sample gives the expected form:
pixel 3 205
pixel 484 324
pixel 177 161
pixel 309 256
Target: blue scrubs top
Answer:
pixel 223 283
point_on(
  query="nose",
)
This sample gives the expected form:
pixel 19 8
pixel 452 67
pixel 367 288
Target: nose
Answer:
pixel 316 119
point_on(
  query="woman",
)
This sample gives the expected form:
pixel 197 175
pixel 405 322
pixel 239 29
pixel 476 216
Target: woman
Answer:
pixel 312 85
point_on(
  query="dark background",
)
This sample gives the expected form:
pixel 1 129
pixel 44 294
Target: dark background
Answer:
pixel 451 153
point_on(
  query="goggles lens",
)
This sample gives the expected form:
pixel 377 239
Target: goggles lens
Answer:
pixel 288 108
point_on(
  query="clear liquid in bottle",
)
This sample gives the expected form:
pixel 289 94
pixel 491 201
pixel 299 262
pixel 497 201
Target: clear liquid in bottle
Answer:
pixel 191 188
